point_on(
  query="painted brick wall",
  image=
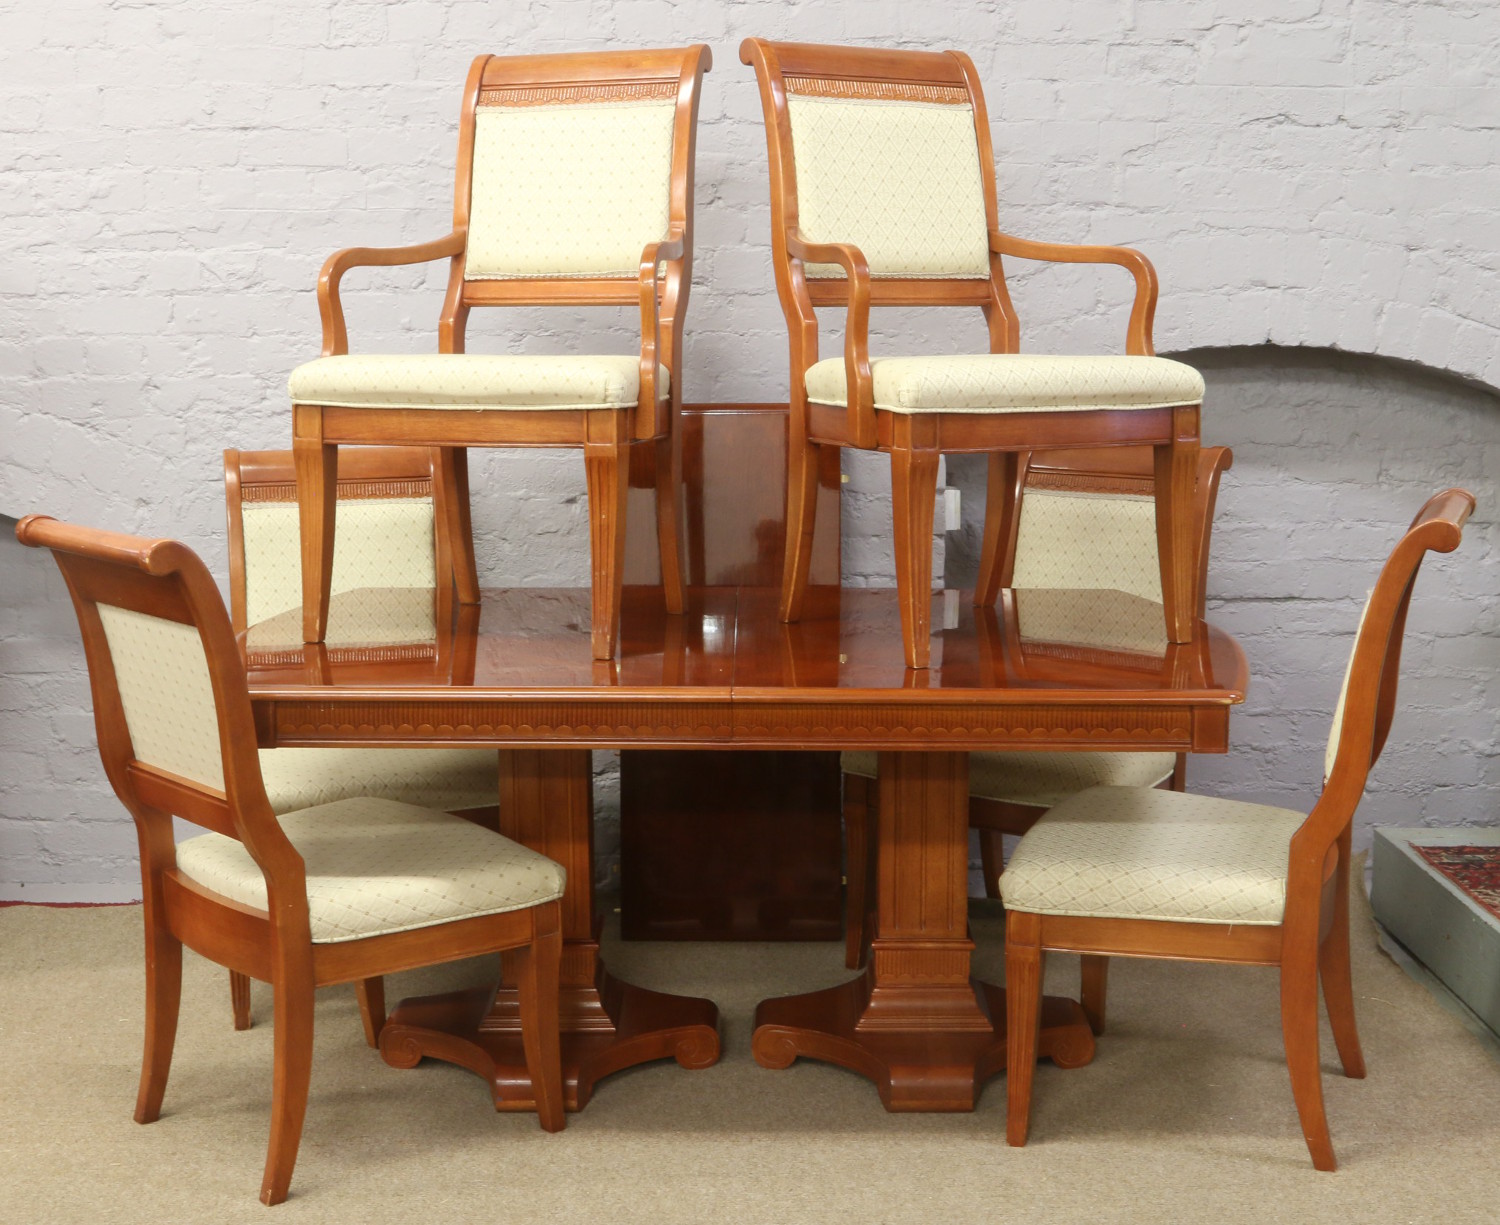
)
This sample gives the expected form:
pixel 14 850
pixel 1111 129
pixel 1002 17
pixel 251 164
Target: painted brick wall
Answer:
pixel 1320 174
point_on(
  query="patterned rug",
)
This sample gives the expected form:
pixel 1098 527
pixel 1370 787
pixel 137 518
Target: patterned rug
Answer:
pixel 1474 869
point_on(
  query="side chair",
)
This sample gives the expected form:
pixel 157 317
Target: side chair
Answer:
pixel 335 893
pixel 1136 872
pixel 574 187
pixel 392 532
pixel 1082 519
pixel 883 194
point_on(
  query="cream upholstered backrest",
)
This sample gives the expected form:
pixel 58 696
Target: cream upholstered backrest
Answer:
pixel 378 542
pixel 1331 751
pixel 892 168
pixel 162 673
pixel 569 181
pixel 1074 538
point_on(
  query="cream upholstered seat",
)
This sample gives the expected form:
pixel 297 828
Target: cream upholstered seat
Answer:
pixel 469 381
pixel 574 187
pixel 377 866
pixel 345 892
pixel 1130 853
pixel 1012 383
pixel 1040 780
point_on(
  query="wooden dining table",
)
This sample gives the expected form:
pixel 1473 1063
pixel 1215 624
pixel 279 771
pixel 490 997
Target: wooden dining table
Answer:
pixel 1043 670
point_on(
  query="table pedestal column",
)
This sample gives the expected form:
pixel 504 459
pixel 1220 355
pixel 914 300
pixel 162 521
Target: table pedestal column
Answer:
pixel 546 803
pixel 914 1022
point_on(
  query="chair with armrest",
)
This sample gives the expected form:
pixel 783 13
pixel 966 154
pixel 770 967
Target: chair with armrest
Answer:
pixel 575 187
pixel 392 532
pixel 1135 872
pixel 335 893
pixel 1081 519
pixel 883 193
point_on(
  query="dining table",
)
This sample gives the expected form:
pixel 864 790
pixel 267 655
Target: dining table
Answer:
pixel 1040 670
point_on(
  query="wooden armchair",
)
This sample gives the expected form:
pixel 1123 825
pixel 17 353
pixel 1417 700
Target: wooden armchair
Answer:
pixel 883 193
pixel 1132 872
pixel 336 893
pixel 1077 519
pixel 392 533
pixel 575 187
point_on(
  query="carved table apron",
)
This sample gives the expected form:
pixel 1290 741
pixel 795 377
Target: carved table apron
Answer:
pixel 516 674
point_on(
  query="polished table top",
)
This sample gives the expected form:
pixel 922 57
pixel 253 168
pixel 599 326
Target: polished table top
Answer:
pixel 398 666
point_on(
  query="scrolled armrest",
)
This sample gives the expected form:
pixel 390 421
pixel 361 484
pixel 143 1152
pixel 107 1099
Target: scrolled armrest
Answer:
pixel 859 389
pixel 335 336
pixel 1142 312
pixel 669 250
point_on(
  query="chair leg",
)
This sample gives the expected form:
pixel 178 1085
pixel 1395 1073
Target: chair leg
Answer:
pixel 317 505
pixel 453 468
pixel 538 967
pixel 1176 472
pixel 1002 503
pixel 914 492
pixel 1299 1031
pixel 606 462
pixel 239 998
pixel 991 860
pixel 1093 972
pixel 163 998
pixel 801 518
pixel 1024 964
pixel 857 823
pixel 292 1061
pixel 1334 972
pixel 371 994
pixel 669 517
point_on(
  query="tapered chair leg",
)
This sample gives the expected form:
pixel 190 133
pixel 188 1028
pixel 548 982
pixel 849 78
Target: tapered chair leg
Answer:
pixel 857 827
pixel 1334 973
pixel 317 506
pixel 669 518
pixel 163 999
pixel 1093 972
pixel 239 998
pixel 1024 963
pixel 606 462
pixel 371 995
pixel 801 518
pixel 537 968
pixel 453 471
pixel 914 491
pixel 1176 477
pixel 292 1060
pixel 1299 1030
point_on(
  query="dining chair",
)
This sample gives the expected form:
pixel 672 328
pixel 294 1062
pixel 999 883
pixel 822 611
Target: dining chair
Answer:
pixel 883 194
pixel 335 893
pixel 574 187
pixel 1136 872
pixel 1083 519
pixel 392 533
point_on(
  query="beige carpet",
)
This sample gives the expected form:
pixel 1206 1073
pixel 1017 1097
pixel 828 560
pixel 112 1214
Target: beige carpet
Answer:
pixel 1184 1116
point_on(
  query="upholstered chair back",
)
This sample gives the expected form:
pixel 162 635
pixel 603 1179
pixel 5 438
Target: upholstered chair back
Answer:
pixel 385 536
pixel 1081 538
pixel 569 182
pixel 893 168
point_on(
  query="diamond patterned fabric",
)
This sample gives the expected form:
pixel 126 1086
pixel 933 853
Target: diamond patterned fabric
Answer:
pixel 469 380
pixel 1012 383
pixel 574 190
pixel 1331 752
pixel 378 542
pixel 363 617
pixel 1128 853
pixel 434 778
pixel 898 180
pixel 1108 620
pixel 1044 779
pixel 164 684
pixel 1088 540
pixel 378 866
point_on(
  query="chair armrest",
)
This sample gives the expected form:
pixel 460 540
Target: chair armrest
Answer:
pixel 859 389
pixel 1138 331
pixel 669 250
pixel 335 337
